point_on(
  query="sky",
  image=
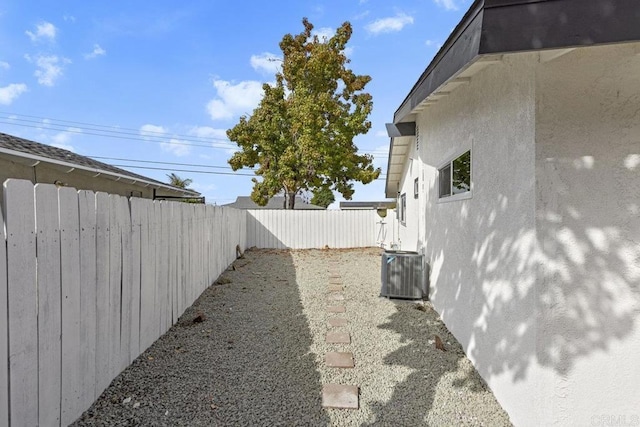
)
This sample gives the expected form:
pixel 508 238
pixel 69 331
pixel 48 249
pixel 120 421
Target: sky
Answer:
pixel 152 87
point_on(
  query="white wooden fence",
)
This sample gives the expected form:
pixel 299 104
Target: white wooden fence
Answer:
pixel 88 281
pixel 301 229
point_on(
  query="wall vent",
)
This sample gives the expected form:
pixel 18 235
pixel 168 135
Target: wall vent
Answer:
pixel 403 275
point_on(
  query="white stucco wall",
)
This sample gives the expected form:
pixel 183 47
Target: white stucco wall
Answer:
pixel 538 273
pixel 408 233
pixel 588 222
pixel 482 278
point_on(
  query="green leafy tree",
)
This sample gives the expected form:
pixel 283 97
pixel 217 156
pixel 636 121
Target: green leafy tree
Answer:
pixel 176 181
pixel 323 196
pixel 300 136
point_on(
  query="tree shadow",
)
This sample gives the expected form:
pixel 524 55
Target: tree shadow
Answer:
pixel 247 363
pixel 444 388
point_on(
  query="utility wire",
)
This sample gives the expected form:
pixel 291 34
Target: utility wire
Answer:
pixel 107 131
pixel 166 163
pixel 185 170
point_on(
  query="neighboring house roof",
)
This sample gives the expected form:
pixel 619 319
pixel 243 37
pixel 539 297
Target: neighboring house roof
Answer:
pixel 385 204
pixel 492 28
pixel 16 147
pixel 277 202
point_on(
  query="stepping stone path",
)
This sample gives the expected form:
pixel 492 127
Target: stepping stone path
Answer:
pixel 338 396
pixel 338 337
pixel 337 322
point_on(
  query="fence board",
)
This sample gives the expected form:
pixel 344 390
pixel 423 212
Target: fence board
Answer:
pixel 103 241
pixel 4 327
pixel 134 345
pixel 49 300
pixel 147 277
pixel 22 300
pixel 88 291
pixel 126 283
pixel 70 278
pixel 115 283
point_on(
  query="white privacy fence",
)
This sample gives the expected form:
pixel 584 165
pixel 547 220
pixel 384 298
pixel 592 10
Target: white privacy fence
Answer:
pixel 88 281
pixel 302 229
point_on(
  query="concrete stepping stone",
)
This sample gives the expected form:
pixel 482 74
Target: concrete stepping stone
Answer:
pixel 337 359
pixel 336 309
pixel 338 337
pixel 336 322
pixel 336 296
pixel 336 288
pixel 340 396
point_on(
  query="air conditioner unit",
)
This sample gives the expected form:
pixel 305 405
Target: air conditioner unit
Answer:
pixel 403 275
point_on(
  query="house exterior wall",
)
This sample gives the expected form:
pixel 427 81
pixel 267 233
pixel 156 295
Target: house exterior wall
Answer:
pixel 48 174
pixel 479 249
pixel 408 232
pixel 588 222
pixel 537 273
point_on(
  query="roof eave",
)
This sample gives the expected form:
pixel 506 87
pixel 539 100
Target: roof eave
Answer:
pixel 117 176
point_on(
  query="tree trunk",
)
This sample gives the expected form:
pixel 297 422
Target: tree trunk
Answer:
pixel 291 200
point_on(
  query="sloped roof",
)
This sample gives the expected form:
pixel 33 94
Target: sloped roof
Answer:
pixel 277 202
pixel 20 147
pixel 492 28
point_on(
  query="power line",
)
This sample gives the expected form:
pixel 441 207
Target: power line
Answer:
pixel 185 170
pixel 107 131
pixel 160 163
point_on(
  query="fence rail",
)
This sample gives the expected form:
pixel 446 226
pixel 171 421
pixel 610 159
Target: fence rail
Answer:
pixel 88 281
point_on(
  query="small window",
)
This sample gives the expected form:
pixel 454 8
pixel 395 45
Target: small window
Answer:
pixel 455 177
pixel 402 212
pixel 415 188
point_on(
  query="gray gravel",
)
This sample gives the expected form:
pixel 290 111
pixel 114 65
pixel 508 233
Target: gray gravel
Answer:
pixel 258 358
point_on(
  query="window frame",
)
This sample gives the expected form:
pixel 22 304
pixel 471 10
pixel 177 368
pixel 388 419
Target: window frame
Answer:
pixel 402 211
pixel 460 196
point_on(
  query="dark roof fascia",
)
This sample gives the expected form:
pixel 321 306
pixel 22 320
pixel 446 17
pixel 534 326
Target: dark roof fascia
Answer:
pixel 460 48
pixel 525 25
pixel 492 27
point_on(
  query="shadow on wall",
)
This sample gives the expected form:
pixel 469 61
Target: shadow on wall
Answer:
pixel 549 298
pixel 209 373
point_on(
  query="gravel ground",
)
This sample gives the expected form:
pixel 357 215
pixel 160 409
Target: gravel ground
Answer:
pixel 258 357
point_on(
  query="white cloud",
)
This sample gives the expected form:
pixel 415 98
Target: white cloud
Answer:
pixel 9 93
pixel 324 34
pixel 97 51
pixel 209 132
pixel 69 18
pixel 160 134
pixel 447 4
pixel 234 99
pixel 4 65
pixel 62 139
pixel 50 68
pixel 266 62
pixel 381 134
pixel 152 130
pixel 389 25
pixel 218 137
pixel 44 31
pixel 176 147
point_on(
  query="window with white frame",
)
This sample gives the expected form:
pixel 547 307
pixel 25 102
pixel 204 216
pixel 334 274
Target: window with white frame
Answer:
pixel 402 209
pixel 455 177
